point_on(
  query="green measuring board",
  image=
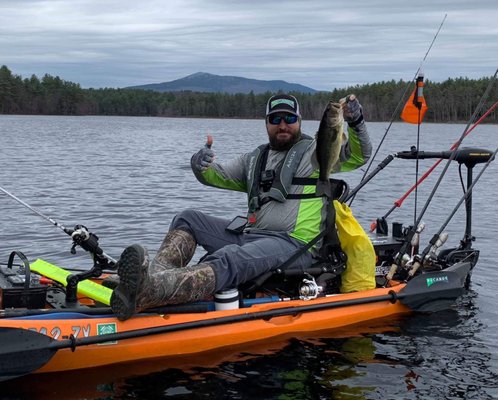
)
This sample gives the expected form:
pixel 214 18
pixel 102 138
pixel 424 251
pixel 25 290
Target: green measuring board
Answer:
pixel 88 288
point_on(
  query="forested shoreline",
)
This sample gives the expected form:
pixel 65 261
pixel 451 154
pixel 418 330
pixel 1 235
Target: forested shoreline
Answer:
pixel 451 101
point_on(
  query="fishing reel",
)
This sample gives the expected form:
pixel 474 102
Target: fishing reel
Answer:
pixel 428 260
pixel 431 260
pixel 403 260
pixel 309 289
pixel 85 239
pixel 88 241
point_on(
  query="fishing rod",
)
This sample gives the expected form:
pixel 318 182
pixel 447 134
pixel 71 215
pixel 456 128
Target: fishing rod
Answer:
pixel 401 101
pixel 80 235
pixel 419 103
pixel 370 176
pixel 411 231
pixel 400 201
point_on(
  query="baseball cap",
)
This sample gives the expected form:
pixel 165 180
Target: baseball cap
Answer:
pixel 282 103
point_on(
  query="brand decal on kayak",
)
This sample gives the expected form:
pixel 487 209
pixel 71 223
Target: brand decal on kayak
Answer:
pixel 56 332
pixel 432 281
pixel 106 329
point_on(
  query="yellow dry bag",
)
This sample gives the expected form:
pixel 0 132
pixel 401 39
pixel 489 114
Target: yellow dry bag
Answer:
pixel 360 266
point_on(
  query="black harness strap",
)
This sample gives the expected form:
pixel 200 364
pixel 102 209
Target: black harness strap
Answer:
pixel 339 188
pixel 331 250
pixel 258 168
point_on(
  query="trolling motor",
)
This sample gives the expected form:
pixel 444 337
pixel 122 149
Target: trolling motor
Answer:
pixel 431 258
pixel 469 157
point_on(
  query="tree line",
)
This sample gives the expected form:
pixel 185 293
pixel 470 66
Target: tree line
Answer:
pixel 453 100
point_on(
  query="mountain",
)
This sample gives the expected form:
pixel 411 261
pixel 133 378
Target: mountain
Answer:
pixel 204 82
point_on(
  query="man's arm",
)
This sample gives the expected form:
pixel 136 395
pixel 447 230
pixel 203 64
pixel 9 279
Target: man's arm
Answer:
pixel 230 175
pixel 357 149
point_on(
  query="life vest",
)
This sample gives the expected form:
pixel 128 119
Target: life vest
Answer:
pixel 267 185
pixel 276 182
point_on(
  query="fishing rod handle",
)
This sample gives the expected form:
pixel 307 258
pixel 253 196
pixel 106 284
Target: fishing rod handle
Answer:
pixel 392 271
pixel 399 261
pixel 416 237
pixel 416 265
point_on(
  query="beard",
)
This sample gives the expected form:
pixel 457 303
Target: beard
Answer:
pixel 280 144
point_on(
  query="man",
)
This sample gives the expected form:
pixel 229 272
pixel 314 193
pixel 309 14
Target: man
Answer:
pixel 278 225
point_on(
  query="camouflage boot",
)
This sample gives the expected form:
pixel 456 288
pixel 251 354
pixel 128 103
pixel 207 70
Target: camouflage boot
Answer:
pixel 176 250
pixel 177 286
pixel 138 290
pixel 133 268
pixel 111 281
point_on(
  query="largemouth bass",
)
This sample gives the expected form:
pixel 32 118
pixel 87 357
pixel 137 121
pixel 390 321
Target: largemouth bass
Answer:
pixel 328 146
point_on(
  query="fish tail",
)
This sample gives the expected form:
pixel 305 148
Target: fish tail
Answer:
pixel 323 188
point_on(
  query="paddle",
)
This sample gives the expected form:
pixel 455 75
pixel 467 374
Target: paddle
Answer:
pixel 23 351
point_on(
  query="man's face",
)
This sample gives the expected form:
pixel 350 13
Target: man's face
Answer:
pixel 284 130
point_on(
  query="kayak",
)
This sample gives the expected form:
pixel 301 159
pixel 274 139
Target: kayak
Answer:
pixel 55 320
pixel 42 340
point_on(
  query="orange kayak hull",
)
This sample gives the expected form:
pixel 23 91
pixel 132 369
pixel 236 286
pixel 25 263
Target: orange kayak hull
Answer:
pixel 200 339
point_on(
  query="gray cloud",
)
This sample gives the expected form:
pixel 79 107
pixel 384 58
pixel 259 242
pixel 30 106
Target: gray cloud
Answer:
pixel 322 44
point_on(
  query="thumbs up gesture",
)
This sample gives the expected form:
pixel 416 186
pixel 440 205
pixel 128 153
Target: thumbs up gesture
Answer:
pixel 203 159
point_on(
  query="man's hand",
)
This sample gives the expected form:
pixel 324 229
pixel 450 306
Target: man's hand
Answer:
pixel 203 159
pixel 352 110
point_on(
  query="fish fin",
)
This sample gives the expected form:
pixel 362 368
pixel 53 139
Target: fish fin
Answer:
pixel 323 188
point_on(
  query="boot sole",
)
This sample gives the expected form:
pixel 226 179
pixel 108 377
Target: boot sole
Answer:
pixel 110 282
pixel 124 297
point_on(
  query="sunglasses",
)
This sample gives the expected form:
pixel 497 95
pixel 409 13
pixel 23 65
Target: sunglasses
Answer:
pixel 287 118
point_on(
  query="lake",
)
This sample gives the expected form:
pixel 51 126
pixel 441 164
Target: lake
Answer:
pixel 126 177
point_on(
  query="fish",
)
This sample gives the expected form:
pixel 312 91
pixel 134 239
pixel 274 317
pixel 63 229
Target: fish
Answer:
pixel 328 145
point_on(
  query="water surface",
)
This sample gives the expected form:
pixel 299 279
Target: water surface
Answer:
pixel 125 178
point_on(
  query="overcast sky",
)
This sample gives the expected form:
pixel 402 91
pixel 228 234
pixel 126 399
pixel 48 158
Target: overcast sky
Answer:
pixel 320 44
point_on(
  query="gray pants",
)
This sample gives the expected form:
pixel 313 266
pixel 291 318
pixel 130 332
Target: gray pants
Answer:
pixel 238 258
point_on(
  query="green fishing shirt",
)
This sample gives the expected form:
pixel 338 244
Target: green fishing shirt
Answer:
pixel 303 219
